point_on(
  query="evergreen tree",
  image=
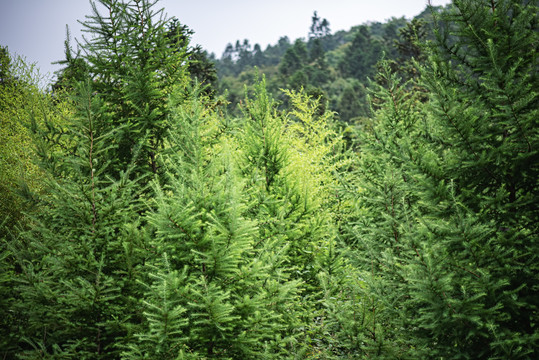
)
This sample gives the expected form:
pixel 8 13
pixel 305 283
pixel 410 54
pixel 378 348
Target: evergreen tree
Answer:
pixel 21 100
pixel 259 58
pixel 382 232
pixel 21 180
pixel 449 188
pixel 361 55
pixel 294 59
pixel 484 173
pixel 353 102
pixel 275 53
pixel 76 264
pixel 411 52
pixel 297 214
pixel 135 57
pixel 319 27
pixel 217 292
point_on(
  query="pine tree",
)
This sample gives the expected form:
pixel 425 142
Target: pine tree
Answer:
pixel 291 161
pixel 382 231
pixel 361 56
pixel 21 100
pixel 75 270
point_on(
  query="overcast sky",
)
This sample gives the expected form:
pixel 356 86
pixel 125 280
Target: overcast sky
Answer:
pixel 35 29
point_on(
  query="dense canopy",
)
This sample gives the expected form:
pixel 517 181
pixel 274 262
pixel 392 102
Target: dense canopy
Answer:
pixel 369 194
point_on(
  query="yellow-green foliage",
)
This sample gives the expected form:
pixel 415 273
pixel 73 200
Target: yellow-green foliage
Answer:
pixel 312 144
pixel 316 155
pixel 21 102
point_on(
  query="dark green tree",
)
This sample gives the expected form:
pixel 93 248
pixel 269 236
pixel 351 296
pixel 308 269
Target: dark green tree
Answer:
pixel 449 227
pixel 135 56
pixel 259 58
pixel 243 240
pixel 382 231
pixel 76 281
pixel 353 102
pixel 275 53
pixel 410 48
pixel 319 27
pixel 75 68
pixel 361 55
pixel 202 70
pixel 483 76
pixel 294 58
pixel 317 50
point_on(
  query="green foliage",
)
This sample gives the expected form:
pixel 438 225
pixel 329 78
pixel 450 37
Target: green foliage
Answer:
pixel 21 102
pixel 163 228
pixel 135 58
pixel 353 102
pixel 300 214
pixel 77 262
pixel 248 241
pixel 490 171
pixel 361 55
pixel 382 230
pixel 448 188
pixel 228 303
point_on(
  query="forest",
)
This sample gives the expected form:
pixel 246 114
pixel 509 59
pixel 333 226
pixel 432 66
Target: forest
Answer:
pixel 363 194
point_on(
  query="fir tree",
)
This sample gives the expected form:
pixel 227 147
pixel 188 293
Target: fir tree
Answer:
pixel 213 294
pixel 290 162
pixel 76 264
pixel 382 230
pixel 484 137
pixel 135 56
pixel 449 191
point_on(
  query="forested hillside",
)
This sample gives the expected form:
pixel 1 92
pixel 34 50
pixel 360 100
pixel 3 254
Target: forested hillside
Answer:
pixel 367 194
pixel 333 67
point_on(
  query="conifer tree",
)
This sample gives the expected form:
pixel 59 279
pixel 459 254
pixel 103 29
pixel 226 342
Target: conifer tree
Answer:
pixel 135 55
pixel 21 100
pixel 484 174
pixel 290 162
pixel 449 224
pixel 382 231
pixel 212 293
pixel 76 264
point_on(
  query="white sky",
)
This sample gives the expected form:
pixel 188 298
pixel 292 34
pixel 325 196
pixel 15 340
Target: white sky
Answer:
pixel 35 29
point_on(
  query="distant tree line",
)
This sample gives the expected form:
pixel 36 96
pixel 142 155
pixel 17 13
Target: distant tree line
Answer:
pixel 336 67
